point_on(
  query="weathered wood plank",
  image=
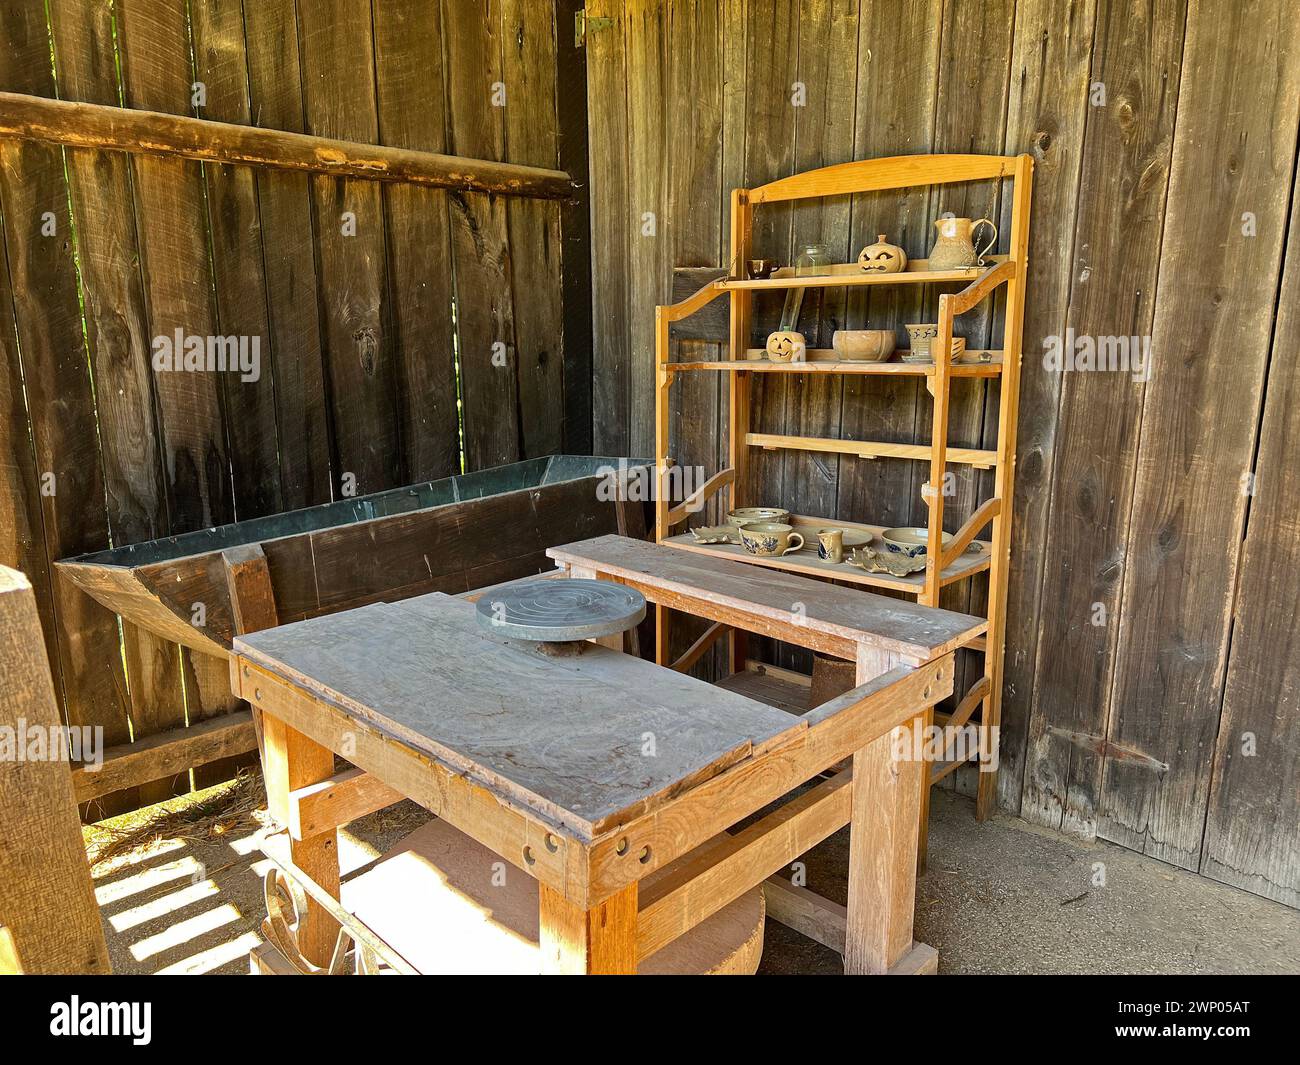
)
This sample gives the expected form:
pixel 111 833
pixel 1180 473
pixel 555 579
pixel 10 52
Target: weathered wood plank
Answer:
pixel 974 69
pixel 238 274
pixel 288 253
pixel 178 281
pixel 1255 768
pixel 173 237
pixel 55 375
pixel 1047 114
pixel 167 754
pixel 643 27
pixel 771 69
pixel 612 224
pixel 408 65
pixel 339 95
pixel 485 306
pixel 692 221
pixel 1234 152
pixel 1087 524
pixel 575 226
pixel 46 894
pixel 528 32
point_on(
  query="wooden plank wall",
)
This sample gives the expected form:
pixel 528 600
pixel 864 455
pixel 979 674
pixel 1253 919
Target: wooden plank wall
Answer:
pixel 369 379
pixel 1156 552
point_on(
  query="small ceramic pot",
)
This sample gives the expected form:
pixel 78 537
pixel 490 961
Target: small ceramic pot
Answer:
pixel 863 345
pixel 769 539
pixel 910 541
pixel 786 346
pixel 882 257
pixel 748 515
pixel 921 343
pixel 761 269
pixel 830 545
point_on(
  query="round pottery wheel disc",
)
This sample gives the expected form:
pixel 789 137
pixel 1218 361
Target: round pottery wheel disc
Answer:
pixel 557 611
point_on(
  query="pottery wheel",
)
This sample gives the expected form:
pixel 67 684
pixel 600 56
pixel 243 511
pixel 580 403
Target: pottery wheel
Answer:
pixel 561 610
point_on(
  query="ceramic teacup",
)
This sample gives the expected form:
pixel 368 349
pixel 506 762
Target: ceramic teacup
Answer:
pixel 830 545
pixel 770 538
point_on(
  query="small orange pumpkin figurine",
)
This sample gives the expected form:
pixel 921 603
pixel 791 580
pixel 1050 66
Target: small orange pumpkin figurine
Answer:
pixel 882 257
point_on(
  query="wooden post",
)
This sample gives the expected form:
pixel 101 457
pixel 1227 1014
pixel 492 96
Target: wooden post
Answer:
pixel 252 604
pixel 47 899
pixel 289 761
pixel 742 220
pixel 663 382
pixel 1004 479
pixel 601 940
pixel 882 845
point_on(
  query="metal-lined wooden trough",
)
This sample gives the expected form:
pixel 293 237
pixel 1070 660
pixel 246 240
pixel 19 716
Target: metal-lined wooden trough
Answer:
pixel 450 535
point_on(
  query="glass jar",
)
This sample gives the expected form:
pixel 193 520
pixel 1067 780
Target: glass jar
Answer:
pixel 813 259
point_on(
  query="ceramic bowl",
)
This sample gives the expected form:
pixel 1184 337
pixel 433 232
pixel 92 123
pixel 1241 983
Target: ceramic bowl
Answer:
pixel 864 345
pixel 748 515
pixel 910 542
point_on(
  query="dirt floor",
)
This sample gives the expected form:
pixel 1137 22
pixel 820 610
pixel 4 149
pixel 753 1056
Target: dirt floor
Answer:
pixel 180 888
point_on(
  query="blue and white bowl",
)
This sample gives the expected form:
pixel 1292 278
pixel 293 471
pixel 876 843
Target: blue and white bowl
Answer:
pixel 910 541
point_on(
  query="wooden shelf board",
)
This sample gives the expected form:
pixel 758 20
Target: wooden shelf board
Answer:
pixel 868 449
pixel 807 562
pixel 851 274
pixel 821 360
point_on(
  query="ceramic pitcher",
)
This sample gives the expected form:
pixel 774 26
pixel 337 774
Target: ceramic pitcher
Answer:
pixel 954 249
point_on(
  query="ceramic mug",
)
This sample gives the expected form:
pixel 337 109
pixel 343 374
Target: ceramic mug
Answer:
pixel 770 538
pixel 830 545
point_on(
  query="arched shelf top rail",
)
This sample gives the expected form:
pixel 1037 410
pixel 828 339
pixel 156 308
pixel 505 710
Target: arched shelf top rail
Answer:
pixel 895 172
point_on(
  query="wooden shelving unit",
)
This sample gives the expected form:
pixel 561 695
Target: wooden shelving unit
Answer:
pixel 947 565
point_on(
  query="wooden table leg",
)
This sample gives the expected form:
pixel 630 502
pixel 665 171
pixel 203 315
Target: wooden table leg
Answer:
pixel 601 940
pixel 293 761
pixel 882 845
pixel 923 820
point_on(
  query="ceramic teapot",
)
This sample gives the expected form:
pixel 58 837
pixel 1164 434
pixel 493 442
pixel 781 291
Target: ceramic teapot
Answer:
pixel 882 257
pixel 954 249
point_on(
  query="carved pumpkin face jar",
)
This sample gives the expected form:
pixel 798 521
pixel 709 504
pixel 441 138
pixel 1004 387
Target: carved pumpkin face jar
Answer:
pixel 786 346
pixel 882 257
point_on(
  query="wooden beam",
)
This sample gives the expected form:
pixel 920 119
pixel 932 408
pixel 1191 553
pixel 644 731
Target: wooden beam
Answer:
pixel 697 890
pixel 248 580
pixel 165 754
pixel 331 803
pixel 81 125
pixel 696 500
pixel 47 899
pixel 806 912
pixel 962 537
pixel 696 650
pixel 632 851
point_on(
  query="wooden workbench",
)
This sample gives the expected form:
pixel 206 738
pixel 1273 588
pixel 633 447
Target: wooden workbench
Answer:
pixel 541 759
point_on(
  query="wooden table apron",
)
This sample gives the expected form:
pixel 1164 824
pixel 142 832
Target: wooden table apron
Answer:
pixel 589 873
